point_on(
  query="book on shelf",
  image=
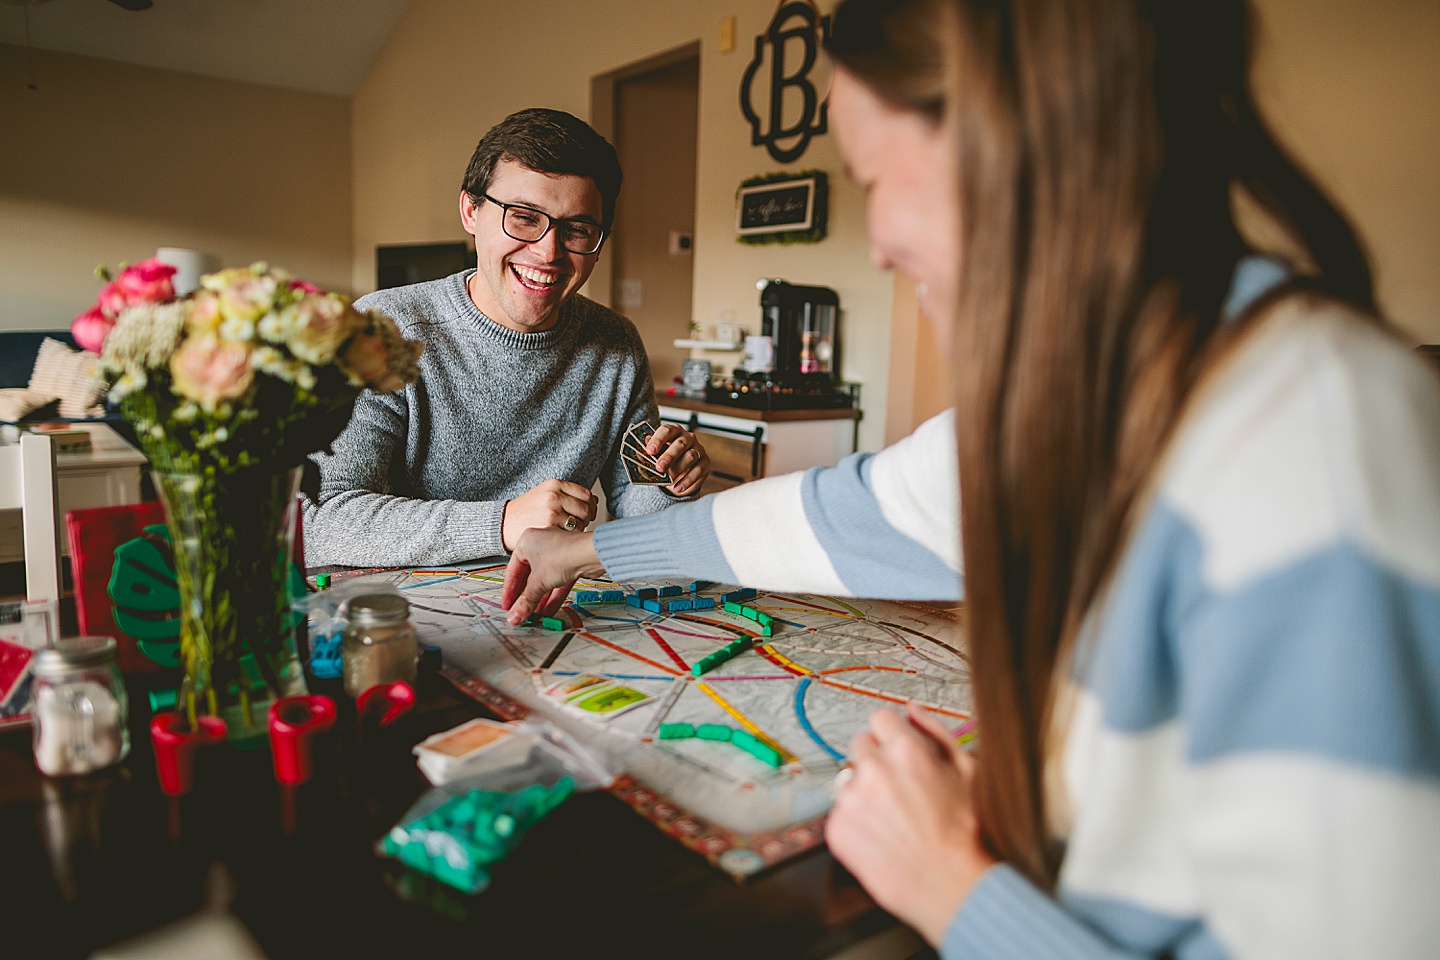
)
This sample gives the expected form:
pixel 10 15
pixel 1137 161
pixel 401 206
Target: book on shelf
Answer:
pixel 67 437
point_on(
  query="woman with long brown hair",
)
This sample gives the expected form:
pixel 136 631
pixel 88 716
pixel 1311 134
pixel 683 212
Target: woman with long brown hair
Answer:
pixel 1199 506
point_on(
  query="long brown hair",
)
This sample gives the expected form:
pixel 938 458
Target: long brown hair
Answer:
pixel 1098 143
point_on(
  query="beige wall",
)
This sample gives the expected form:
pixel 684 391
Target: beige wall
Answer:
pixel 1352 88
pixel 105 162
pixel 455 67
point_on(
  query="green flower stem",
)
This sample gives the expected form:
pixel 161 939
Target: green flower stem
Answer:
pixel 230 534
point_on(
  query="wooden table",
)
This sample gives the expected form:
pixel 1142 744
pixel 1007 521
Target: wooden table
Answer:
pixel 90 861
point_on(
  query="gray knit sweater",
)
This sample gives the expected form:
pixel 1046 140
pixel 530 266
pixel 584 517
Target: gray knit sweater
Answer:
pixel 422 476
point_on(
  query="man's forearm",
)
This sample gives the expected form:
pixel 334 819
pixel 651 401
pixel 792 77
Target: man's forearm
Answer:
pixel 358 528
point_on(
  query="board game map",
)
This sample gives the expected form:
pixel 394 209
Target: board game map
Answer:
pixel 806 691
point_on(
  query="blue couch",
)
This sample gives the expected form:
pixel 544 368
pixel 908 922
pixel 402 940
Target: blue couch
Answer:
pixel 18 349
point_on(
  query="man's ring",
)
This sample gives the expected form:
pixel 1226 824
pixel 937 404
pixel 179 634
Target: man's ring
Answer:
pixel 569 523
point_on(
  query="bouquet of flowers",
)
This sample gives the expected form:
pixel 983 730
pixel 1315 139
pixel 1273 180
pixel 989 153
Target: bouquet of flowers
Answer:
pixel 252 369
pixel 229 388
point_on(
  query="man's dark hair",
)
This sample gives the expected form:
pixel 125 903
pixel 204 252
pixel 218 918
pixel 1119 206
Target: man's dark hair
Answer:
pixel 547 141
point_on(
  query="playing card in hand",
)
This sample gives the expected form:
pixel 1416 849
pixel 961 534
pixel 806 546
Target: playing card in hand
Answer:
pixel 639 465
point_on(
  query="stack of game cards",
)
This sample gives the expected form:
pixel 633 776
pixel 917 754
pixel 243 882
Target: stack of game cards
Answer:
pixel 468 748
pixel 639 465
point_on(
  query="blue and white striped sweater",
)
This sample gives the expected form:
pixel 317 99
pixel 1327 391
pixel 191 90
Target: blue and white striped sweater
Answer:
pixel 877 525
pixel 1249 758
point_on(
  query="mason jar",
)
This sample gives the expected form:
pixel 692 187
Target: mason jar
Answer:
pixel 80 707
pixel 379 644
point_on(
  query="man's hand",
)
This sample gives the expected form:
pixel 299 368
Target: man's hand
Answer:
pixel 543 568
pixel 679 455
pixel 906 825
pixel 554 503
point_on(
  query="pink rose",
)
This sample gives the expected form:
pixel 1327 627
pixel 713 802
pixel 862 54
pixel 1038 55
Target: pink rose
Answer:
pixel 208 370
pixel 148 281
pixel 320 325
pixel 204 314
pixel 91 328
pixel 305 286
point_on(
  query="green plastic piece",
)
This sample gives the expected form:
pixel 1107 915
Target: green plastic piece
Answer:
pixel 554 623
pixel 731 607
pixel 749 613
pixel 766 755
pixel 743 739
pixel 766 630
pixel 161 700
pixel 676 731
pixel 761 751
pixel 713 731
pixel 322 581
pixel 764 619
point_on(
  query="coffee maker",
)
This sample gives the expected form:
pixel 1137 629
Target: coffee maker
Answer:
pixel 800 321
pixel 800 360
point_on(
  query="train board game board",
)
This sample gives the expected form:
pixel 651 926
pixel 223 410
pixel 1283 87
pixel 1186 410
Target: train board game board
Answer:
pixel 736 762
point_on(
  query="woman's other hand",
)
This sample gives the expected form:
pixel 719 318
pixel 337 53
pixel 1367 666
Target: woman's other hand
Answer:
pixel 906 824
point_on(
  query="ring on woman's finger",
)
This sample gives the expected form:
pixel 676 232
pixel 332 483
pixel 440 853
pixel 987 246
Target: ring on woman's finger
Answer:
pixel 570 523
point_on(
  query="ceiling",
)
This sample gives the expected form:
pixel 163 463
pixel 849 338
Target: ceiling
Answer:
pixel 320 46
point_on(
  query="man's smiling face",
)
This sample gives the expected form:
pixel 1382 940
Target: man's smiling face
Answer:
pixel 521 285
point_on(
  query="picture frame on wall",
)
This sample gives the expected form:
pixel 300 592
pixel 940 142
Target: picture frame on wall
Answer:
pixel 783 208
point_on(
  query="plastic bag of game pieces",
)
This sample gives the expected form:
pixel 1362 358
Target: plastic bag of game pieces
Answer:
pixel 459 832
pixel 508 756
pixel 326 613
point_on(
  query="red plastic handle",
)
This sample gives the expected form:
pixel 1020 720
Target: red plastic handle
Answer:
pixel 394 699
pixel 175 742
pixel 293 722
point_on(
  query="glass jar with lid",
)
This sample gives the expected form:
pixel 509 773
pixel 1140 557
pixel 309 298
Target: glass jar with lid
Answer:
pixel 80 707
pixel 379 644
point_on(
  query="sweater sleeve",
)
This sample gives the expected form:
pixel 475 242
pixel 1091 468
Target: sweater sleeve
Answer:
pixel 358 521
pixel 879 525
pixel 1006 918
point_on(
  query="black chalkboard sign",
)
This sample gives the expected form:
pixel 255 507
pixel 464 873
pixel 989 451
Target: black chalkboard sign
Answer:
pixel 791 206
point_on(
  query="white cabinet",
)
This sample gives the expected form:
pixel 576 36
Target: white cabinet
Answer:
pixel 107 475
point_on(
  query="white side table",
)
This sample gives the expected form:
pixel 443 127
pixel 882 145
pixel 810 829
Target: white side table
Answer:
pixel 106 475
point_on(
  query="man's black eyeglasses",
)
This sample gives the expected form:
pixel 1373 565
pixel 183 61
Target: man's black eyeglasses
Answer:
pixel 529 225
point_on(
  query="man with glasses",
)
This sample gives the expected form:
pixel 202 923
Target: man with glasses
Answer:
pixel 526 389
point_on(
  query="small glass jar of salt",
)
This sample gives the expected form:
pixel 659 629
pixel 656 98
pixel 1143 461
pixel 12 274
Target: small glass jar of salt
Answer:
pixel 379 644
pixel 80 707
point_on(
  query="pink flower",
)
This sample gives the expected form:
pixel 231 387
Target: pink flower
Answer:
pixel 148 281
pixel 319 325
pixel 91 328
pixel 209 371
pixel 204 314
pixel 305 286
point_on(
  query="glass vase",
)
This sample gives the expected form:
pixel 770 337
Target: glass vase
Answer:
pixel 232 535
